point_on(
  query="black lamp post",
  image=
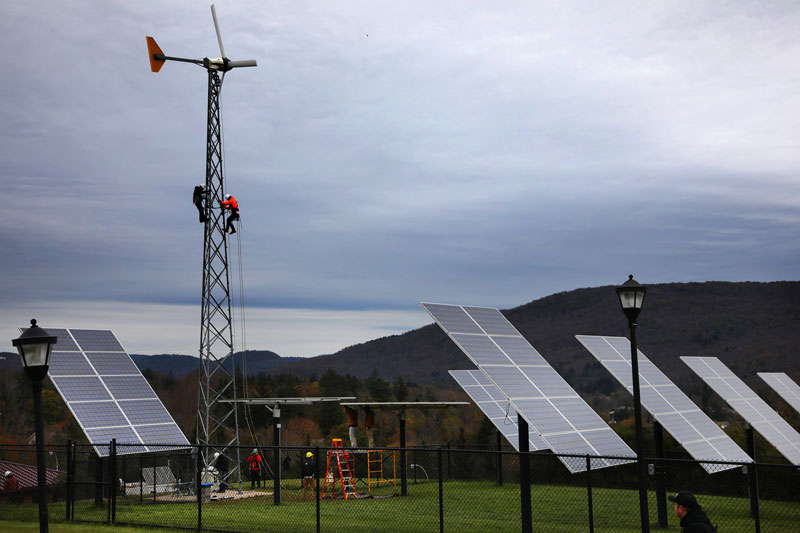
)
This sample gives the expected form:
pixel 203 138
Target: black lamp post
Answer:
pixel 631 296
pixel 34 346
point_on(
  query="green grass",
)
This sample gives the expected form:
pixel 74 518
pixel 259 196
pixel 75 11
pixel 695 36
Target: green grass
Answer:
pixel 20 527
pixel 468 506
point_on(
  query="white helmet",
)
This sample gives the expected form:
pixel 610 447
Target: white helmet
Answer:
pixel 8 473
pixel 227 196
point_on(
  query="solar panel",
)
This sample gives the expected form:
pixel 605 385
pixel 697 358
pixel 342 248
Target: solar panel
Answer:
pixel 784 386
pixel 748 404
pixel 495 406
pixel 108 395
pixel 552 409
pixel 682 419
pixel 65 342
pixel 91 340
pixel 69 364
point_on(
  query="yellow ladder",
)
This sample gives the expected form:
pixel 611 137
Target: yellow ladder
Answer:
pixel 375 459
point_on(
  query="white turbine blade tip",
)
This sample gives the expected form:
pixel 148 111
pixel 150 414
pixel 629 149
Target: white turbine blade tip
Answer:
pixel 216 28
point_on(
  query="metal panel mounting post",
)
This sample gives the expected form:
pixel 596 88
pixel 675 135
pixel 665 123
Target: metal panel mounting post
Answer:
pixel 753 476
pixel 276 451
pixel 403 473
pixel 524 475
pixel 217 422
pixel 659 471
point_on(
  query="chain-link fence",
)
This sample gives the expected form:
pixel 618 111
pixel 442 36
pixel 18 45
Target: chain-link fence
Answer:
pixel 388 489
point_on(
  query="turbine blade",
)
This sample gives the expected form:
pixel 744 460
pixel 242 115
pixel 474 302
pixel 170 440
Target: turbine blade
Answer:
pixel 216 27
pixel 243 63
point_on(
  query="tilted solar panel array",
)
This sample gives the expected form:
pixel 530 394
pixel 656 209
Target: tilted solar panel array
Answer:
pixel 495 406
pixel 552 409
pixel 748 404
pixel 690 426
pixel 784 386
pixel 107 394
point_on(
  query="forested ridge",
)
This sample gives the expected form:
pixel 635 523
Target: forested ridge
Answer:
pixel 750 326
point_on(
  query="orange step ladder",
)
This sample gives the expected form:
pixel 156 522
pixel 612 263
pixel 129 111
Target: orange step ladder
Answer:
pixel 339 464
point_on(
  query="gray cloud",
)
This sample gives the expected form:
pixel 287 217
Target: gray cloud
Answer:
pixel 388 153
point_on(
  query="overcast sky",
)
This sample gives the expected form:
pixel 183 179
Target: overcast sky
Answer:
pixel 385 153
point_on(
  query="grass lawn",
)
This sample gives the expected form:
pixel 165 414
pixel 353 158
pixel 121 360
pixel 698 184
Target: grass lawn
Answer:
pixel 468 506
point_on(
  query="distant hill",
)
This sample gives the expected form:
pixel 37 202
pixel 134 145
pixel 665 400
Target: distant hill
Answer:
pixel 256 361
pixel 178 365
pixel 750 326
pixel 9 361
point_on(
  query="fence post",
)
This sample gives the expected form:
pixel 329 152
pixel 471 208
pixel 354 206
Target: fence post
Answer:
pixel 499 458
pixel 141 479
pixel 441 491
pixel 659 469
pixel 753 475
pixel 112 485
pixel 198 483
pixel 316 476
pixel 98 480
pixel 70 479
pixel 276 456
pixel 403 464
pixel 414 463
pixel 74 455
pixel 589 491
pixel 524 476
pixel 449 471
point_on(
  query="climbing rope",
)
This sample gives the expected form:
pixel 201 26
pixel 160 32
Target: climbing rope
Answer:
pixel 248 418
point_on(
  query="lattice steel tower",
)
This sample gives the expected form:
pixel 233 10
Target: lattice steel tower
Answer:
pixel 217 418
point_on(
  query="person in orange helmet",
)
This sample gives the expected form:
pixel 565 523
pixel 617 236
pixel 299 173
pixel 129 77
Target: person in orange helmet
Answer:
pixel 231 204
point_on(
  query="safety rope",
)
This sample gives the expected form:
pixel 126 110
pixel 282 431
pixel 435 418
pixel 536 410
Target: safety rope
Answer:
pixel 248 418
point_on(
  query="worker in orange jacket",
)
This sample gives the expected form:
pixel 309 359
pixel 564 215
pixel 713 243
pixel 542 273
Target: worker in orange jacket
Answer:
pixel 254 460
pixel 231 204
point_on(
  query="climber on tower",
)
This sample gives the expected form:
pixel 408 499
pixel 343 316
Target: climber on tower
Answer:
pixel 230 203
pixel 198 199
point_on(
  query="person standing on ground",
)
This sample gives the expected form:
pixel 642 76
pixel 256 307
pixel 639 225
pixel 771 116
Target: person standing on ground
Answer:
pixel 309 472
pixel 254 460
pixel 222 468
pixel 693 518
pixel 11 487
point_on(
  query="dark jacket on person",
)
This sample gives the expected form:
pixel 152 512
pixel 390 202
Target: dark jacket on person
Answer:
pixel 696 521
pixel 222 463
pixel 309 467
pixel 198 195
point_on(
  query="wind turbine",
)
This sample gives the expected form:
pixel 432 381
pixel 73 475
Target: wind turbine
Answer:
pixel 217 416
pixel 221 64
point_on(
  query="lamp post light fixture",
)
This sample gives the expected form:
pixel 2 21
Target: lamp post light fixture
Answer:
pixel 631 297
pixel 34 346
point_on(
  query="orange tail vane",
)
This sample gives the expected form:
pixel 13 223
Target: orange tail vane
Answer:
pixel 157 58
